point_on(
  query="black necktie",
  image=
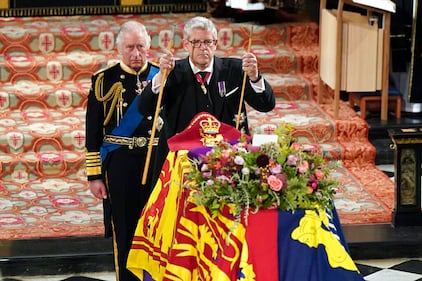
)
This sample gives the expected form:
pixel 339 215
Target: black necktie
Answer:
pixel 203 75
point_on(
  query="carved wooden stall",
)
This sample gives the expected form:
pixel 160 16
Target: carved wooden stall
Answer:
pixel 355 49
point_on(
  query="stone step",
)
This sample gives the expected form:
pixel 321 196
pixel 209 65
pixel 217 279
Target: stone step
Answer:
pixel 357 153
pixel 54 162
pixel 66 95
pixel 37 129
pixel 315 121
pixel 55 67
pixel 40 142
pixel 279 59
pixel 48 206
pixel 51 142
pixel 68 202
pixel 32 125
pixel 49 160
pixel 76 65
pixel 97 33
pixel 56 96
pixel 349 126
pixel 291 87
pixel 342 139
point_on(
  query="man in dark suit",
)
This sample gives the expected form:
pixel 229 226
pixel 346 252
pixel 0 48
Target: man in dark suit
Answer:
pixel 117 136
pixel 217 91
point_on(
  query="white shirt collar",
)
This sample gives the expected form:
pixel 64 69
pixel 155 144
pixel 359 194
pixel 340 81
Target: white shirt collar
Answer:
pixel 196 70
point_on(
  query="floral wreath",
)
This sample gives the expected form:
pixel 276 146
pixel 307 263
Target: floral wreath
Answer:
pixel 276 175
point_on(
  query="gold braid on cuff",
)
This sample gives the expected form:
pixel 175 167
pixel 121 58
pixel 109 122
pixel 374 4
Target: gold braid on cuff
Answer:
pixel 93 163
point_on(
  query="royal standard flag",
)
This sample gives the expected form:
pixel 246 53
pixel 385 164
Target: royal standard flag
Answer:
pixel 177 239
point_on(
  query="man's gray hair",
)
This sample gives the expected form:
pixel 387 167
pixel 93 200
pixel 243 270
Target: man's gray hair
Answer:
pixel 199 22
pixel 133 26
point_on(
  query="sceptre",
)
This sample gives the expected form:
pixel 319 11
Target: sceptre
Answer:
pixel 157 111
pixel 242 93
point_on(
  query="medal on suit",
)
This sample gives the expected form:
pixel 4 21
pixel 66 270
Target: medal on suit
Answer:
pixel 222 88
pixel 204 89
pixel 139 85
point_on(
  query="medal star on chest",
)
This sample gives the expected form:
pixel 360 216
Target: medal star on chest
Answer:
pixel 140 86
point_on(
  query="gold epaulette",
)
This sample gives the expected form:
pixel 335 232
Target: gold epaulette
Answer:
pixel 93 163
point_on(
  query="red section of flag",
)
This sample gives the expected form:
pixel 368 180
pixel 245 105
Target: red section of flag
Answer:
pixel 261 234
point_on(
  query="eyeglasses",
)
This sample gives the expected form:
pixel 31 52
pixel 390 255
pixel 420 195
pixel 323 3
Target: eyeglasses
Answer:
pixel 206 43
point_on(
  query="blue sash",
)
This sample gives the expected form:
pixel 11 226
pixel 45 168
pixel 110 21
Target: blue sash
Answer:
pixel 129 122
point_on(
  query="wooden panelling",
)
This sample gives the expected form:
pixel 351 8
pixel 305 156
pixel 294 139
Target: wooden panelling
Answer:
pixel 361 49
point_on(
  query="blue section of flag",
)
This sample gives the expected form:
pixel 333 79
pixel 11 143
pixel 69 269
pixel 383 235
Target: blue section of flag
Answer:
pixel 309 251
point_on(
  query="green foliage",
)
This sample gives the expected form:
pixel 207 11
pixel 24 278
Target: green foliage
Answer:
pixel 279 175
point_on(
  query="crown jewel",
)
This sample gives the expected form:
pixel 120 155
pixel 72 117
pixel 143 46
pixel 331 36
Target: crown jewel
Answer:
pixel 210 126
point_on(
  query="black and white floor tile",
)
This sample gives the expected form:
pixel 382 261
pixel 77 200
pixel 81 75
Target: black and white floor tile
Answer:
pixel 391 269
pixel 95 276
pixel 372 270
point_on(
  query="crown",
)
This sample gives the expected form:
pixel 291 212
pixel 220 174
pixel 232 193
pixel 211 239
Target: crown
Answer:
pixel 210 126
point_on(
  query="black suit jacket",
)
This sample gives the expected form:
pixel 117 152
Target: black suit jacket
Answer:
pixel 183 98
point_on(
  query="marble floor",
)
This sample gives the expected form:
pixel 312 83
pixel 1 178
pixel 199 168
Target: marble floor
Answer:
pixel 402 269
pixel 391 269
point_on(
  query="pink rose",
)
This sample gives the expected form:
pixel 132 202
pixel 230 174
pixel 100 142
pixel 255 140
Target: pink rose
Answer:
pixel 303 167
pixel 274 183
pixel 319 174
pixel 253 148
pixel 291 160
pixel 296 146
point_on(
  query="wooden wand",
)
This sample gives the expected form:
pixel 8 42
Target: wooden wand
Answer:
pixel 157 111
pixel 242 93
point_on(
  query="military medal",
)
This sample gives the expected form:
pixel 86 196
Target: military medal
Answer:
pixel 139 85
pixel 139 90
pixel 222 88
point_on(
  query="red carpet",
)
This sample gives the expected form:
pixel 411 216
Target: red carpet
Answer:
pixel 45 70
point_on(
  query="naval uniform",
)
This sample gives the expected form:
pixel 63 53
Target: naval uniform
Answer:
pixel 117 139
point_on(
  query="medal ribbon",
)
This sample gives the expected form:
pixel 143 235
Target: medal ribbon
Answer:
pixel 202 78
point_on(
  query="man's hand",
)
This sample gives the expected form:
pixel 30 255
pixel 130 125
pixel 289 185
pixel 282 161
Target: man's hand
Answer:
pixel 166 63
pixel 250 66
pixel 98 189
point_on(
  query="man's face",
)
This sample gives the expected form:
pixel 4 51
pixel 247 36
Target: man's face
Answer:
pixel 201 54
pixel 133 50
